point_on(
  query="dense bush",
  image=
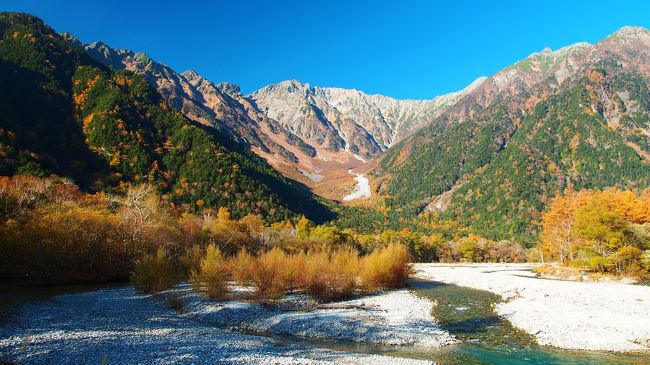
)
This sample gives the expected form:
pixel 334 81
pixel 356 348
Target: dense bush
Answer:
pixel 385 268
pixel 270 274
pixel 323 275
pixel 154 273
pixel 330 276
pixel 52 232
pixel 212 273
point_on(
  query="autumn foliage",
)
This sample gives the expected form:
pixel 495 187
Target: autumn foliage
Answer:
pixel 321 274
pixel 604 231
pixel 52 232
pixel 212 272
pixel 154 272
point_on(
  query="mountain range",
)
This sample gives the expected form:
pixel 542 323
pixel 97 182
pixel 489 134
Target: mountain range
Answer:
pixel 490 156
pixel 311 134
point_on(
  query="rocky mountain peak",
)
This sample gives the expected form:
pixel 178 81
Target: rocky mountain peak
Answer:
pixel 190 75
pixel 105 54
pixel 574 48
pixel 469 88
pixel 229 88
pixel 290 86
pixel 197 80
pixel 98 44
pixel 632 32
pixel 72 39
pixel 548 54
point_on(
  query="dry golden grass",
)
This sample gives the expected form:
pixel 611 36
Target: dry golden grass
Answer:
pixel 314 279
pixel 191 260
pixel 326 276
pixel 296 265
pixel 240 267
pixel 332 276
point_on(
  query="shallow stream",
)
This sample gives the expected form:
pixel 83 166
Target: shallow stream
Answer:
pixel 485 337
pixel 467 313
pixel 489 339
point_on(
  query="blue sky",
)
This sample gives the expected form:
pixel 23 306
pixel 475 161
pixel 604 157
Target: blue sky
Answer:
pixel 405 49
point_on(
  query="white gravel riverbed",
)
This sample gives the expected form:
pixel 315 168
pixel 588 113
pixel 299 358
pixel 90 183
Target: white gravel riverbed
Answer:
pixel 565 314
pixel 393 318
pixel 119 326
pixel 361 189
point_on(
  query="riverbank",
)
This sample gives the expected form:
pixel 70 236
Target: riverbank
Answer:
pixel 122 326
pixel 395 318
pixel 564 314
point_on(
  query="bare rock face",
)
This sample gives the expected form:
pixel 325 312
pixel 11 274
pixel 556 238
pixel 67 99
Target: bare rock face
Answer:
pixel 229 88
pixel 298 128
pixel 343 118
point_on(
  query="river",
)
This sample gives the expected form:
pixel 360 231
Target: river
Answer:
pixel 485 337
pixel 466 313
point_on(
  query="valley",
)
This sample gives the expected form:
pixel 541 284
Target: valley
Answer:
pixel 416 152
pixel 302 131
pixel 154 215
pixel 361 190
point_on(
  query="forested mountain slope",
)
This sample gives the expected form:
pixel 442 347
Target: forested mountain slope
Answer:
pixel 490 157
pixel 578 116
pixel 64 113
pixel 220 106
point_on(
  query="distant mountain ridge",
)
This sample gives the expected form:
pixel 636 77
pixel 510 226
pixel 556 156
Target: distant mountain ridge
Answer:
pixel 350 113
pixel 426 154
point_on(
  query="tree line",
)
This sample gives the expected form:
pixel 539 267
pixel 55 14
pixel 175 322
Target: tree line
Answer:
pixel 52 232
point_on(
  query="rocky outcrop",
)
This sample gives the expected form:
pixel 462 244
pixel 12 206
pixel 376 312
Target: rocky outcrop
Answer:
pixel 293 125
pixel 344 118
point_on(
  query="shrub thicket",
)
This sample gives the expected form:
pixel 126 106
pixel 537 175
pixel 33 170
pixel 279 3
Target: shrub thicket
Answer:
pixel 212 273
pixel 51 232
pixel 323 275
pixel 154 273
